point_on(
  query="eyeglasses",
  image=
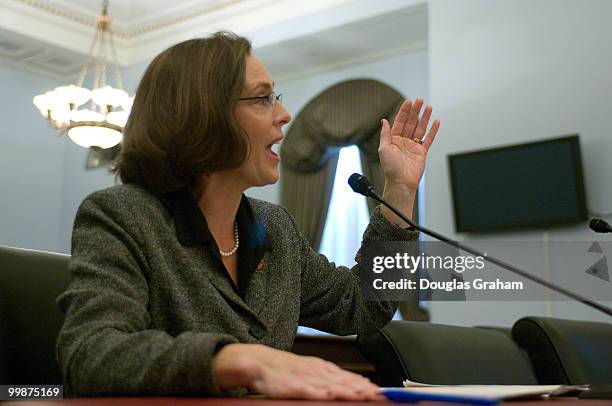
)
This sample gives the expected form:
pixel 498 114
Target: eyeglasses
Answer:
pixel 268 101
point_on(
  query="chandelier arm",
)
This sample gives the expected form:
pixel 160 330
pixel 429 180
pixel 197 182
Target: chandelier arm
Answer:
pixel 96 78
pixel 103 45
pixel 87 63
pixel 96 71
pixel 104 25
pixel 115 59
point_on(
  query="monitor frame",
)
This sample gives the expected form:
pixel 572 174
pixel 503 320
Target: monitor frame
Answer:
pixel 573 140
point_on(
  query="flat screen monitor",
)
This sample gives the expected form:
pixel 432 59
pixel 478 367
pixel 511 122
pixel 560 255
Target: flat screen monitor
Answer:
pixel 533 185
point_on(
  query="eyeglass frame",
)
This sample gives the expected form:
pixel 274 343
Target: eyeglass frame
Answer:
pixel 275 98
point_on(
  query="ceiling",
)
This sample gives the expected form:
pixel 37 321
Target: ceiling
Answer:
pixel 294 37
pixel 130 13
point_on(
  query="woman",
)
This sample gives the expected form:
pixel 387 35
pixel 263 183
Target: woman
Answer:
pixel 181 284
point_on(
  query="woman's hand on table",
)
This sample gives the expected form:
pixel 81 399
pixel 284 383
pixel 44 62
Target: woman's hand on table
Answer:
pixel 281 374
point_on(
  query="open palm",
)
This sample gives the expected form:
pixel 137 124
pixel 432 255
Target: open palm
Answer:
pixel 403 148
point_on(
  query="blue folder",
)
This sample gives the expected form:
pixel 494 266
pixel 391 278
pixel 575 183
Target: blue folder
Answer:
pixel 404 396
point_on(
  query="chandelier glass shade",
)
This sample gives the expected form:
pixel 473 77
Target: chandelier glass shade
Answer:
pixel 92 118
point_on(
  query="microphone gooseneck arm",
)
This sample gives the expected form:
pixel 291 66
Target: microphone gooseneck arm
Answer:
pixel 361 185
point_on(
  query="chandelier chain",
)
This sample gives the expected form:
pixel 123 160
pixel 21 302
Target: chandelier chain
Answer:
pixel 102 58
pixel 115 60
pixel 87 63
pixel 96 68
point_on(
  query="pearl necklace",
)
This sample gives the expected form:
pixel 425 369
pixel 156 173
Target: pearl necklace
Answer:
pixel 233 250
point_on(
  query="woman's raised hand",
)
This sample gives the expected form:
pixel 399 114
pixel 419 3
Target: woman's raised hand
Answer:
pixel 403 147
pixel 280 374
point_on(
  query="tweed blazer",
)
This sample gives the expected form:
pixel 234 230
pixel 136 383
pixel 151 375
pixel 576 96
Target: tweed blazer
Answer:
pixel 150 302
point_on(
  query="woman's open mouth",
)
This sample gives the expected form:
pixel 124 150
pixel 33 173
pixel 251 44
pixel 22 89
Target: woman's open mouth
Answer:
pixel 273 151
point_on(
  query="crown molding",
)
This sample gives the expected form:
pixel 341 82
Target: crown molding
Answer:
pixel 61 26
pixel 253 19
pixel 168 15
pixel 53 28
pixel 55 22
pixel 268 24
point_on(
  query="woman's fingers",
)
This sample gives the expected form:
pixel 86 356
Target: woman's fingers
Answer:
pixel 348 386
pixel 413 119
pixel 299 377
pixel 401 118
pixel 294 389
pixel 312 387
pixel 407 123
pixel 310 390
pixel 422 125
pixel 431 135
pixel 385 133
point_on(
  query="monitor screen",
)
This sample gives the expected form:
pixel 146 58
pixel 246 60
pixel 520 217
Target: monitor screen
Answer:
pixel 532 185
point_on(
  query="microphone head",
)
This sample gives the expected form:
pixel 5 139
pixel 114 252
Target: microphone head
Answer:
pixel 600 226
pixel 360 184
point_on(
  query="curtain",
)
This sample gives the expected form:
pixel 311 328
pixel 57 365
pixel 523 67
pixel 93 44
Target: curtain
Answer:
pixel 306 195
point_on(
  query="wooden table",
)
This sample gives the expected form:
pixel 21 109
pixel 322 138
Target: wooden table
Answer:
pixel 257 401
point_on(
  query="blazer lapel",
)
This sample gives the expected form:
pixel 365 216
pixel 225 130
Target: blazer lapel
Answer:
pixel 259 286
pixel 215 274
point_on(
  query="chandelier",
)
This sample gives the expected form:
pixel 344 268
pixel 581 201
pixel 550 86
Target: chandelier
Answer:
pixel 98 124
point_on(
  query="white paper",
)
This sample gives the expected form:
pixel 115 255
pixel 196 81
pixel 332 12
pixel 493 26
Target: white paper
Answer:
pixel 489 391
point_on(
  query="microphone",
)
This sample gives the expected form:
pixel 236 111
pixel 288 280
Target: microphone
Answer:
pixel 360 184
pixel 598 225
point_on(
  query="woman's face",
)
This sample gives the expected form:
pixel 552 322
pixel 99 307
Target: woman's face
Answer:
pixel 263 125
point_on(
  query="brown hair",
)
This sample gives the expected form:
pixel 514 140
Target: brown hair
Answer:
pixel 182 123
